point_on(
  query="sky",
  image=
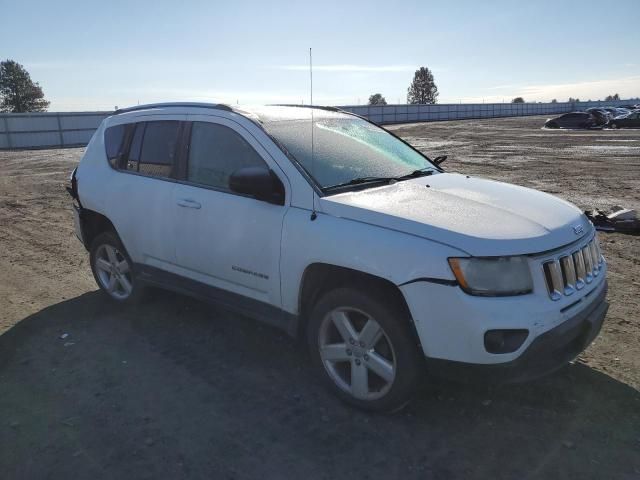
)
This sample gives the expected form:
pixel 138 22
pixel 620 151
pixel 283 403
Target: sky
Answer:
pixel 90 55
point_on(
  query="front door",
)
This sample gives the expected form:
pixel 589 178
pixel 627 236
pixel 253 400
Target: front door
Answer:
pixel 224 239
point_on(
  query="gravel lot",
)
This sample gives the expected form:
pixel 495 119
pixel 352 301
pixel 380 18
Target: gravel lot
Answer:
pixel 178 389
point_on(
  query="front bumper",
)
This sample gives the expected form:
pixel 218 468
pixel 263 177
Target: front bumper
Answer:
pixel 545 354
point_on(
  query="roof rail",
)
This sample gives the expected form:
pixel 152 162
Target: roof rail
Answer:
pixel 217 106
pixel 319 107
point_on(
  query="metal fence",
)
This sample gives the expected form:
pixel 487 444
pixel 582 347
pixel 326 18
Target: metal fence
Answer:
pixel 48 129
pixel 459 111
pixel 65 129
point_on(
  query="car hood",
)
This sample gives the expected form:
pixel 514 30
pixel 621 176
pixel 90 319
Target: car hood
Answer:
pixel 481 217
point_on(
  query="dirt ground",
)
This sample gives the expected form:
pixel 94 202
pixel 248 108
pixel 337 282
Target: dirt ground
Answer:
pixel 178 389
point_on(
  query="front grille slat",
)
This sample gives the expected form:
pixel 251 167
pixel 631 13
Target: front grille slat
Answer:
pixel 569 272
pixel 588 263
pixel 595 258
pixel 554 279
pixel 581 273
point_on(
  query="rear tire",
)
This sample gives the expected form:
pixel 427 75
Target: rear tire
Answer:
pixel 113 269
pixel 364 349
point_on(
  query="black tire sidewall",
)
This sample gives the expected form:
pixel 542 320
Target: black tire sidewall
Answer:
pixel 393 320
pixel 110 238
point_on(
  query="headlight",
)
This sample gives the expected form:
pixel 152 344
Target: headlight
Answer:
pixel 497 276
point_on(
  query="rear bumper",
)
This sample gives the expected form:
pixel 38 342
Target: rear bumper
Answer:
pixel 547 353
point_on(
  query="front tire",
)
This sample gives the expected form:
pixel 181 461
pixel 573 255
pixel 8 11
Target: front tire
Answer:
pixel 613 125
pixel 364 349
pixel 113 269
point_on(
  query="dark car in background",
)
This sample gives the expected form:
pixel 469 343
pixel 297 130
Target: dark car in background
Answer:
pixel 631 120
pixel 573 120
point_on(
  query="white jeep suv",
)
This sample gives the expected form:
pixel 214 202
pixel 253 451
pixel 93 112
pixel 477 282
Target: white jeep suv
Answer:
pixel 321 223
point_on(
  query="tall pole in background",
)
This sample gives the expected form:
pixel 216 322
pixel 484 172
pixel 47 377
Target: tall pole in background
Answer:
pixel 311 74
pixel 313 195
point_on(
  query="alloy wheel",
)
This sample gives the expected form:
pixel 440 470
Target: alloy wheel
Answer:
pixel 356 353
pixel 113 272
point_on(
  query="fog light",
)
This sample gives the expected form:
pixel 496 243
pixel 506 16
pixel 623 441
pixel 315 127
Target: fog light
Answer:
pixel 504 341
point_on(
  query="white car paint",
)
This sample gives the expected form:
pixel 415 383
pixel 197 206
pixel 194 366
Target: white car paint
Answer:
pixel 400 232
pixel 480 217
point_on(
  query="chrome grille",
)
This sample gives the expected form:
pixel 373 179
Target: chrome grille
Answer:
pixel 571 271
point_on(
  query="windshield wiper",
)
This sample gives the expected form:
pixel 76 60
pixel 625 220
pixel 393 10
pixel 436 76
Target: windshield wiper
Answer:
pixel 423 172
pixel 359 181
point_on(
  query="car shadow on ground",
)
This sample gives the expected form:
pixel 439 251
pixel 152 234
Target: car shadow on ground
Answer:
pixel 175 388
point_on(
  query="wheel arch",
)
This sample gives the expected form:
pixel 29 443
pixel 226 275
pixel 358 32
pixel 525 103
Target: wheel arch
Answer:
pixel 93 224
pixel 319 278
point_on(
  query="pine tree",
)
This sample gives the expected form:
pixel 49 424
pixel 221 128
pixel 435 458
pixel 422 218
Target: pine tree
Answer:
pixel 423 89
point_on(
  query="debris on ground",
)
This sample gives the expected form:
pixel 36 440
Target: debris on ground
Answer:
pixel 63 336
pixel 619 219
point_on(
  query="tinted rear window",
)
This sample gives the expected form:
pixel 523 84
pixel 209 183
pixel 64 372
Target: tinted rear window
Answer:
pixel 134 149
pixel 159 144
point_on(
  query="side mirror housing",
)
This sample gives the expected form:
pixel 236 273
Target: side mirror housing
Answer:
pixel 259 182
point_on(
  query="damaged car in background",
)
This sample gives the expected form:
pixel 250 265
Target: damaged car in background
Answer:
pixel 575 120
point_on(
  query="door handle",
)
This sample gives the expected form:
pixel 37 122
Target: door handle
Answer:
pixel 188 203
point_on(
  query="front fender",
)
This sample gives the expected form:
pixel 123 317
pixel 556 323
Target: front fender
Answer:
pixel 394 256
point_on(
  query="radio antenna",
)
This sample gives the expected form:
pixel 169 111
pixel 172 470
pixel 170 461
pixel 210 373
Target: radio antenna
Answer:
pixel 313 195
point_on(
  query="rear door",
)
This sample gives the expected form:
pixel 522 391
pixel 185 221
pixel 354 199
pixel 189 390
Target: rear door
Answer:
pixel 142 199
pixel 224 239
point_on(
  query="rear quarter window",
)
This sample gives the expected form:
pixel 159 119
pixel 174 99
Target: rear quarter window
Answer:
pixel 114 143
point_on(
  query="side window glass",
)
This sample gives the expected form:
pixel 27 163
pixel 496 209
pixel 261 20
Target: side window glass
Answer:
pixel 216 152
pixel 114 139
pixel 136 145
pixel 158 152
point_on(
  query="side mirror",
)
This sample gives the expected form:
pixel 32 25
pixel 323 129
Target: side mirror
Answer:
pixel 439 160
pixel 259 182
